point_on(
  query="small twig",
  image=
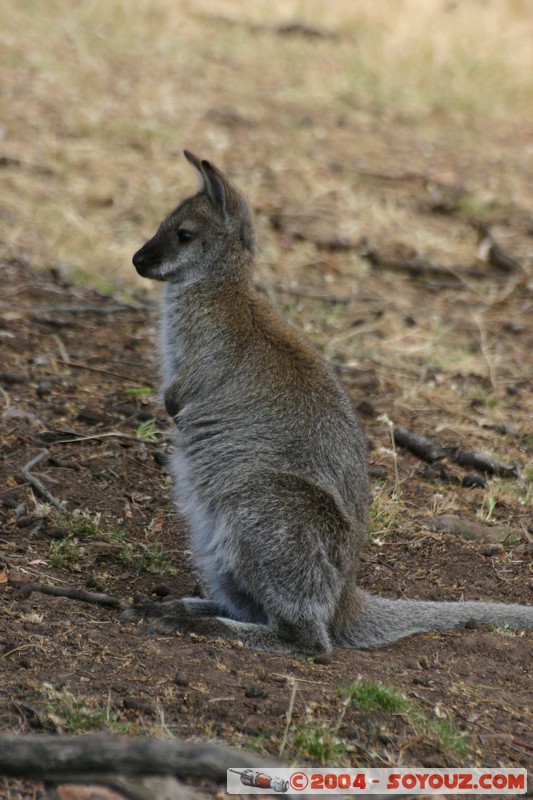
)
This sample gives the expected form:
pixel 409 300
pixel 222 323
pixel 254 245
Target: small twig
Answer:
pixel 342 714
pixel 73 437
pixel 95 598
pixel 292 683
pixel 14 650
pixel 523 744
pixel 407 176
pixel 390 425
pixel 77 365
pixel 484 346
pixel 81 309
pixel 39 488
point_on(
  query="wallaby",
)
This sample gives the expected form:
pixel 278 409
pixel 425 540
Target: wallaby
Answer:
pixel 270 461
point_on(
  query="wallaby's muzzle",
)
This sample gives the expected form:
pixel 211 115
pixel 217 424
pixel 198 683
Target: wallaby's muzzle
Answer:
pixel 144 260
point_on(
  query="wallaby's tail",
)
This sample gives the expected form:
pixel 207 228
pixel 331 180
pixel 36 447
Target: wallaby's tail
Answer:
pixel 384 620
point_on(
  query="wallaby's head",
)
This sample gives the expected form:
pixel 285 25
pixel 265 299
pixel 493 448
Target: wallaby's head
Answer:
pixel 209 235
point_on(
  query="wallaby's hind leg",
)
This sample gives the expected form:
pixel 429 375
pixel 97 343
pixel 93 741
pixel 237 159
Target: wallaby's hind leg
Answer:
pixel 202 616
pixel 274 519
pixel 290 608
pixel 283 637
pixel 208 618
pixel 183 608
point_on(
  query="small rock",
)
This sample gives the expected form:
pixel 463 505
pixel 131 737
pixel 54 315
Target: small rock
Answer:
pixel 322 660
pixel 472 480
pixel 492 549
pixel 24 522
pixel 254 690
pixel 161 590
pixel 44 388
pixel 57 533
pixel 10 379
pixel 422 680
pixel 180 679
pixel 161 459
pixel 92 583
pixel 92 417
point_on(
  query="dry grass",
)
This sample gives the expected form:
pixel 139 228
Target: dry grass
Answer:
pixel 99 98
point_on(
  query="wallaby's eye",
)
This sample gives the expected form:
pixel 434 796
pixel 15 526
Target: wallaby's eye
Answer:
pixel 184 235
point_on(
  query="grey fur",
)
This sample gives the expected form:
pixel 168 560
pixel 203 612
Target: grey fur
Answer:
pixel 270 463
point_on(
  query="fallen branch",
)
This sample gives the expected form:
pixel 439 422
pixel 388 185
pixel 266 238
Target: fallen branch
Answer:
pixel 39 488
pixel 142 767
pixel 420 267
pixel 468 529
pixel 94 598
pixel 53 757
pixel 332 244
pixel 471 458
pixel 419 445
pixel 286 29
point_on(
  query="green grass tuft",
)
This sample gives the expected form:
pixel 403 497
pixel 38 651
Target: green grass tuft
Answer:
pixel 371 695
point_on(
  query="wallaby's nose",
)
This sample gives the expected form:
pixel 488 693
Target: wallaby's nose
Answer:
pixel 141 262
pixel 138 259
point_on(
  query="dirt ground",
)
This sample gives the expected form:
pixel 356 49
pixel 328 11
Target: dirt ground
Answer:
pixel 73 383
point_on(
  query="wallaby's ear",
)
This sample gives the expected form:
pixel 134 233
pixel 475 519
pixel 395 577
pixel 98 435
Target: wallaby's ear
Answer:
pixel 210 181
pixel 197 164
pixel 226 198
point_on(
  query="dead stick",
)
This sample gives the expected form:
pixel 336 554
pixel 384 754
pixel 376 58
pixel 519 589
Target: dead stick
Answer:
pixel 419 445
pixel 483 463
pixel 40 489
pixel 77 365
pixel 294 686
pixel 421 266
pixel 95 598
pixel 73 438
